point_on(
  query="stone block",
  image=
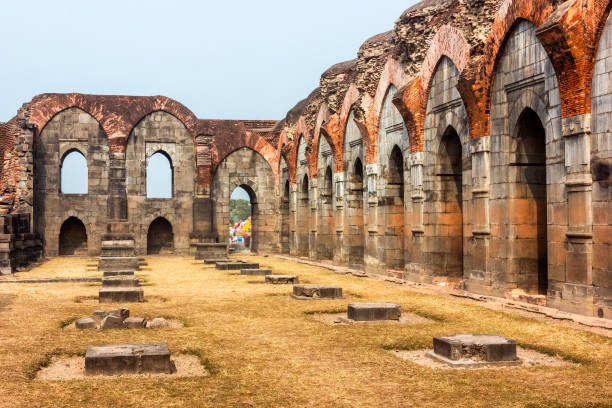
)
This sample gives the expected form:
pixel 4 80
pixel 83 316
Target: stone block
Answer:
pixel 128 359
pixel 374 311
pixel 282 279
pixel 479 347
pixel 120 282
pixel 316 292
pixel 255 272
pixel 236 265
pixel 122 313
pixel 158 323
pixel 213 261
pixel 112 263
pixel 118 273
pixel 111 322
pixel 135 323
pixel 118 295
pixel 85 323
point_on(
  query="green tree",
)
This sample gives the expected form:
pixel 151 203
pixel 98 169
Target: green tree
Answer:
pixel 240 210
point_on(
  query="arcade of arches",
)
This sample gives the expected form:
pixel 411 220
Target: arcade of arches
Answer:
pixel 481 161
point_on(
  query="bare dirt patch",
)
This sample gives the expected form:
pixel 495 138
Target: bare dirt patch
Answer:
pixel 339 319
pixel 529 358
pixel 73 368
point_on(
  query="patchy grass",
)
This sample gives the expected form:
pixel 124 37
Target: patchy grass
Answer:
pixel 265 350
pixel 66 322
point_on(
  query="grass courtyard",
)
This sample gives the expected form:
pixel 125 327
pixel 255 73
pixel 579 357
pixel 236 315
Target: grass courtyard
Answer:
pixel 265 349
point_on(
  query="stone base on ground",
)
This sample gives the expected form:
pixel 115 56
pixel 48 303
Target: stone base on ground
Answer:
pixel 119 281
pixel 213 261
pixel 118 295
pixel 205 250
pixel 475 347
pixel 236 265
pixel 367 312
pixel 118 273
pixel 282 279
pixel 255 272
pixel 310 292
pixel 111 263
pixel 128 358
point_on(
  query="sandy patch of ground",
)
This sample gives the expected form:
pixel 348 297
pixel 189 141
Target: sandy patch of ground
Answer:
pixel 339 319
pixel 529 358
pixel 73 368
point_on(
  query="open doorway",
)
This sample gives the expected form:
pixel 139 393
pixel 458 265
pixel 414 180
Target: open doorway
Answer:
pixel 241 219
pixel 73 237
pixel 160 239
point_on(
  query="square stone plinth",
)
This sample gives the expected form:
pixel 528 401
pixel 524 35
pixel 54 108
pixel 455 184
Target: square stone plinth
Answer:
pixel 255 272
pixel 316 292
pixel 119 263
pixel 119 295
pixel 128 358
pixel 367 312
pixel 236 265
pixel 118 273
pixel 120 282
pixel 476 347
pixel 282 279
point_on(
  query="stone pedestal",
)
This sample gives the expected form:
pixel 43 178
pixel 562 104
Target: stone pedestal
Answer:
pixel 120 295
pixel 474 349
pixel 118 248
pixel 118 273
pixel 210 250
pixel 365 312
pixel 236 265
pixel 255 272
pixel 282 279
pixel 120 282
pixel 128 359
pixel 305 292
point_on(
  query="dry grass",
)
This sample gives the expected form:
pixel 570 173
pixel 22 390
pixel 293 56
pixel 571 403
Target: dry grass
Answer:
pixel 265 349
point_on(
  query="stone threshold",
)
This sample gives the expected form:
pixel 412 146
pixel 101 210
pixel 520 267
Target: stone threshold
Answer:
pixel 443 289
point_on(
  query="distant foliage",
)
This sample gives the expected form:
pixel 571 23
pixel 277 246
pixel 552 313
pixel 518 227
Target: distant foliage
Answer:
pixel 240 210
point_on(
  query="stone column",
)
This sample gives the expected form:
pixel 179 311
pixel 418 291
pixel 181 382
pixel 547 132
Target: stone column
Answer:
pixel 478 278
pixel 117 195
pixel 576 294
pixel 371 259
pixel 293 250
pixel 339 244
pixel 415 271
pixel 314 218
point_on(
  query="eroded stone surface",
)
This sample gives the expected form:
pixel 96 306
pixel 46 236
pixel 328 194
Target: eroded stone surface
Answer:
pixel 118 295
pixel 135 323
pixel 316 292
pixel 235 265
pixel 123 263
pixel 85 323
pixel 118 273
pixel 477 347
pixel 127 358
pixel 120 282
pixel 282 279
pixel 255 272
pixel 374 311
pixel 158 323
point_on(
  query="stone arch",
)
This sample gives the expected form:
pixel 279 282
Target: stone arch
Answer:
pixel 354 229
pixel 160 238
pixel 393 207
pixel 73 237
pixel 303 217
pixel 168 190
pixel 246 168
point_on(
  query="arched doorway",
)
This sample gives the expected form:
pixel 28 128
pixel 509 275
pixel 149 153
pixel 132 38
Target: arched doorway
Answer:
pixel 529 202
pixel 303 218
pixel 73 237
pixel 394 211
pixel 354 200
pixel 160 239
pixel 242 219
pixel 449 225
pixel 325 238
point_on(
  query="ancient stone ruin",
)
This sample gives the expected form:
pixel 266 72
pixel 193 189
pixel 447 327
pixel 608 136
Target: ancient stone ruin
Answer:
pixel 282 279
pixel 367 312
pixel 128 359
pixel 314 292
pixel 468 146
pixel 474 350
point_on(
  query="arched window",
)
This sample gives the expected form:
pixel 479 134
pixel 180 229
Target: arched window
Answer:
pixel 74 173
pixel 159 176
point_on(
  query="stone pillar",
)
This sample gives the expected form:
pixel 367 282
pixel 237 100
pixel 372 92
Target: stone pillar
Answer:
pixel 293 250
pixel 415 271
pixel 314 218
pixel 371 258
pixel 479 279
pixel 576 292
pixel 117 195
pixel 339 245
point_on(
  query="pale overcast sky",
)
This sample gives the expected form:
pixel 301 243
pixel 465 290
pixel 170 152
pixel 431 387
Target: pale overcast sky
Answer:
pixel 224 59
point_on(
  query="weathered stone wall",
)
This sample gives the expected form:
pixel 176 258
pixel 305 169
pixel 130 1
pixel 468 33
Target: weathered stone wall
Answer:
pixel 247 169
pixel 326 231
pixel 71 129
pixel 302 205
pixel 161 132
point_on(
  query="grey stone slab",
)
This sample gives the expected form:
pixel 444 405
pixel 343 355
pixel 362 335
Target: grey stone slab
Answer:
pixel 282 279
pixel 85 323
pixel 255 272
pixel 374 311
pixel 316 292
pixel 111 322
pixel 119 263
pixel 158 323
pixel 120 282
pixel 128 358
pixel 236 265
pixel 135 323
pixel 118 273
pixel 479 347
pixel 118 295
